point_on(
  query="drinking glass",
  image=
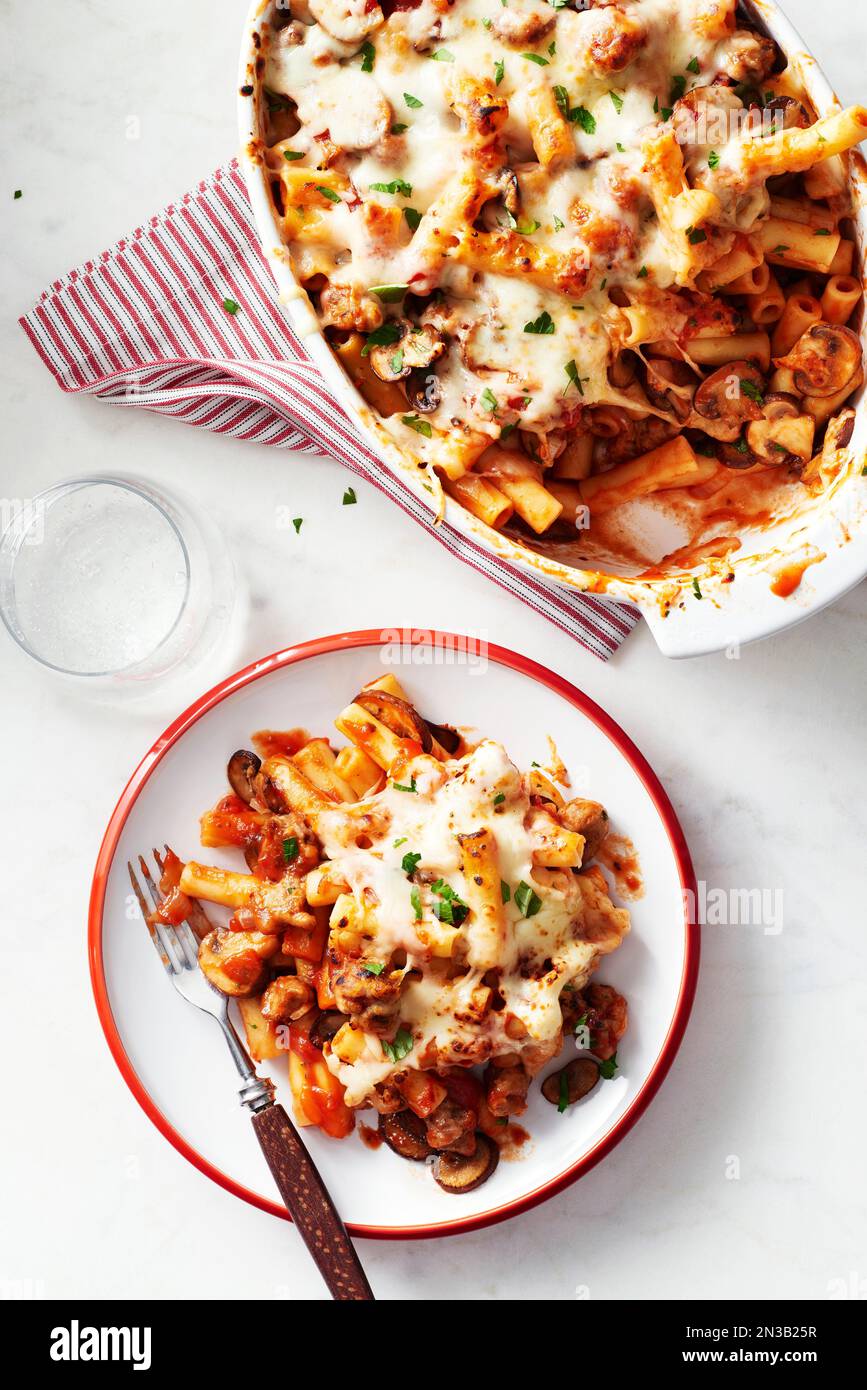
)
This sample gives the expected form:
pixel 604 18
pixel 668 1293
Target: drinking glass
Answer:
pixel 107 580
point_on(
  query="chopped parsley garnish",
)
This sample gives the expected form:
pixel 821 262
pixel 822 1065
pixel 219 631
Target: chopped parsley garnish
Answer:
pixel 617 100
pixel 536 58
pixel 231 306
pixel 292 155
pixel 415 422
pixel 693 66
pixel 696 589
pixel 17 194
pixel 678 87
pixel 666 113
pixel 401 841
pixel 579 115
pixel 563 1102
pixel 451 909
pixel 574 379
pixel 415 899
pixel 400 1048
pixel 778 250
pixel 410 862
pixel 388 332
pixel 413 217
pixel 608 1068
pixel 399 787
pixel 499 798
pixel 750 389
pixel 505 890
pixel 656 106
pixel 372 967
pixel 290 849
pixel 349 497
pixel 489 400
pixel 499 71
pixel 822 231
pixel 696 236
pixel 442 55
pixel 527 901
pixel 543 324
pixel 642 274
pixel 621 149
pixel 398 129
pixel 389 294
pixel 397 362
pixel 558 224
pixel 327 193
pixel 368 56
pixel 297 522
pixel 713 160
pixel 395 186
pixel 412 102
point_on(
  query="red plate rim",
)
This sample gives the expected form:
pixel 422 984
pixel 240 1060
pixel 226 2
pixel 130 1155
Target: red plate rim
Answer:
pixel 370 638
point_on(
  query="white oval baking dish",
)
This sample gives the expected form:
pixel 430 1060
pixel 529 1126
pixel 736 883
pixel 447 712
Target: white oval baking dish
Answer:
pixel 729 614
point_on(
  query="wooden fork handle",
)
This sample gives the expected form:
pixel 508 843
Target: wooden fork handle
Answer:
pixel 310 1206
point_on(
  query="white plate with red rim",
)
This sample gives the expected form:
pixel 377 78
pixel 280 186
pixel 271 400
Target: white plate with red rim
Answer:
pixel 173 1058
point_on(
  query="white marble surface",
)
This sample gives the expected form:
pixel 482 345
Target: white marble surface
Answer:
pixel 763 758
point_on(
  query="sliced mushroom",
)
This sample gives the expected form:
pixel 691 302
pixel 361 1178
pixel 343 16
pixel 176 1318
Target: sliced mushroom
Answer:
pixel 510 191
pixel 348 20
pixel 404 1132
pixel 242 771
pixel 447 737
pixel 670 386
pixel 737 455
pixel 423 390
pixel 732 394
pixel 326 1026
pixel 456 1172
pixel 787 113
pixel 572 1082
pixel 234 961
pixel 824 360
pixel 784 432
pixel 417 347
pixel 397 715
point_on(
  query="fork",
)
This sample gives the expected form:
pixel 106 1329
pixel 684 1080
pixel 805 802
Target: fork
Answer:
pixel 304 1193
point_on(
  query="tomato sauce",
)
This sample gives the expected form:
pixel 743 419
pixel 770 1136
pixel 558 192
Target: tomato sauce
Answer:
pixel 788 578
pixel 271 743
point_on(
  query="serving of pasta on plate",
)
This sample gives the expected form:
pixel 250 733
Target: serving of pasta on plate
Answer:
pixel 574 256
pixel 418 927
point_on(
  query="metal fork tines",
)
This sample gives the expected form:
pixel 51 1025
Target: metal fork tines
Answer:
pixel 178 949
pixel 177 946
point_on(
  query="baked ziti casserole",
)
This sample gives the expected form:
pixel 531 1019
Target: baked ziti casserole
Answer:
pixel 419 928
pixel 573 254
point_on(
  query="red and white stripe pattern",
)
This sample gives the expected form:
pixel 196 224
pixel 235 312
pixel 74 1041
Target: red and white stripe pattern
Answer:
pixel 145 325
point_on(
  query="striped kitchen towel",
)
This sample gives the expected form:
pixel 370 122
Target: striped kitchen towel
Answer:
pixel 150 323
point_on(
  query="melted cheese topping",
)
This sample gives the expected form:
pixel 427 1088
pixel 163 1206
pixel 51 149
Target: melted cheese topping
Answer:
pixel 380 100
pixel 443 1004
